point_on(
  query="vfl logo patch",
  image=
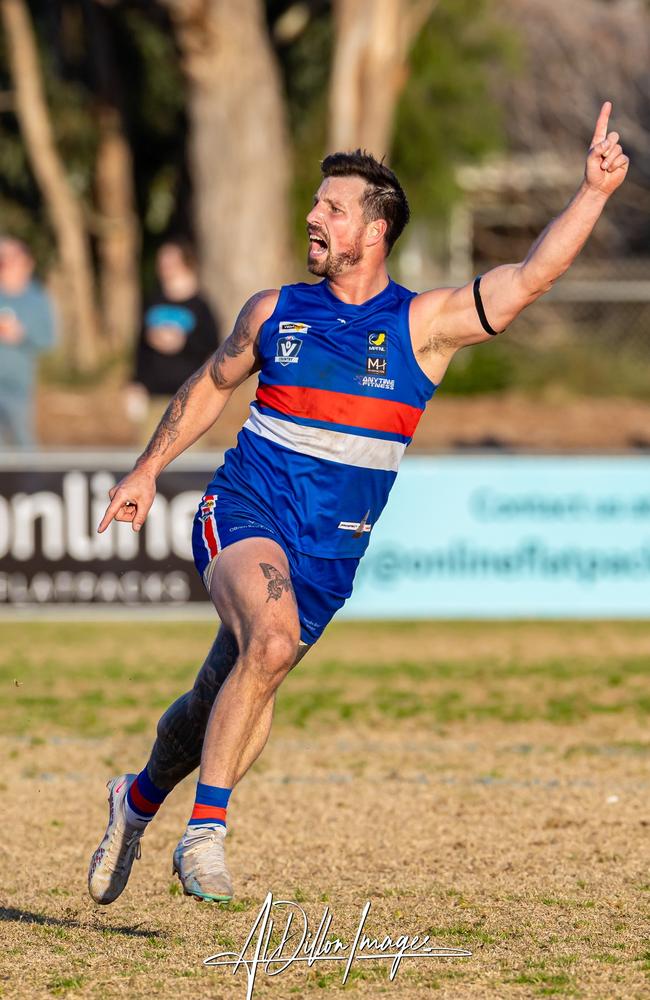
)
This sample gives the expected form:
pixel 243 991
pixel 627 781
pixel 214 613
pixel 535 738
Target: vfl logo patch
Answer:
pixel 376 366
pixel 377 342
pixel 288 350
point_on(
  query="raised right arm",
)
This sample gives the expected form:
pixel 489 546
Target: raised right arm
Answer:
pixel 195 407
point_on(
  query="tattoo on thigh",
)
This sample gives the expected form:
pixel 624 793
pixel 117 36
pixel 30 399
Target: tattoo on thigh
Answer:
pixel 277 583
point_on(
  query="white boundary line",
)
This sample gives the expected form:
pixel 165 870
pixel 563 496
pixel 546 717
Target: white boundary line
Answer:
pixel 194 611
pixel 56 460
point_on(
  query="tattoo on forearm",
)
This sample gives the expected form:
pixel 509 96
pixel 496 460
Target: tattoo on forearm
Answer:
pixel 167 430
pixel 241 337
pixel 277 583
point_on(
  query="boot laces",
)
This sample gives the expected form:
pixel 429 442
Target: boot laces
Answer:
pixel 211 862
pixel 130 846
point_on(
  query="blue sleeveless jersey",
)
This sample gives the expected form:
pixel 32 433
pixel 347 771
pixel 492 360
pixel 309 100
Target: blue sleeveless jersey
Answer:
pixel 339 397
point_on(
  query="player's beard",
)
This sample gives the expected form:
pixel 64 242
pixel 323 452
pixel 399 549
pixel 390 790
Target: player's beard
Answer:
pixel 333 264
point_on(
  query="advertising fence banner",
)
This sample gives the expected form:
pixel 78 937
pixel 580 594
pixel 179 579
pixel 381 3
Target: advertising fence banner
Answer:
pixel 50 552
pixel 462 536
pixel 511 536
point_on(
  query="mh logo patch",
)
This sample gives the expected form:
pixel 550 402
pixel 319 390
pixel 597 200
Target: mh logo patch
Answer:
pixel 288 350
pixel 376 366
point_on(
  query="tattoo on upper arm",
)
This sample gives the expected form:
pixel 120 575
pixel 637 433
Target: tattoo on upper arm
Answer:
pixel 239 340
pixel 278 583
pixel 242 337
pixel 438 343
pixel 167 430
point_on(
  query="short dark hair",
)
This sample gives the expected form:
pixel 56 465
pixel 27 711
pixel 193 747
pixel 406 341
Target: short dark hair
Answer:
pixel 384 196
pixel 186 247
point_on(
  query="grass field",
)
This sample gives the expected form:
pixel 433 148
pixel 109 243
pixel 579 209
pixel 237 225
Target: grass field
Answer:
pixel 487 784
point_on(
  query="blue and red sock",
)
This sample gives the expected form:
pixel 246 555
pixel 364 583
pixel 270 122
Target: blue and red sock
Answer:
pixel 143 800
pixel 210 806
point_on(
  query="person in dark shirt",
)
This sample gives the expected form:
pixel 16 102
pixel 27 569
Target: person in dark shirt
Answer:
pixel 178 333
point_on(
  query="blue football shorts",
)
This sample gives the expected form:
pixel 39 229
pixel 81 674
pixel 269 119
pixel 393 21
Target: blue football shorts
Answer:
pixel 321 586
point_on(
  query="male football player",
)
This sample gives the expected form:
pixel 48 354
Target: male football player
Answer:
pixel 346 367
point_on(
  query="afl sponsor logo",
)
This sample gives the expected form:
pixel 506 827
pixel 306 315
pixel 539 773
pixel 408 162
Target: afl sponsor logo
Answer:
pixel 376 342
pixel 288 350
pixel 286 326
pixel 358 528
pixel 376 366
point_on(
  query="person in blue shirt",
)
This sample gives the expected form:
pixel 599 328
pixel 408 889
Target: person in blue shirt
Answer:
pixel 26 329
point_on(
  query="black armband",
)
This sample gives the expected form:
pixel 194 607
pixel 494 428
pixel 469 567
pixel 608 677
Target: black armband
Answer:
pixel 478 301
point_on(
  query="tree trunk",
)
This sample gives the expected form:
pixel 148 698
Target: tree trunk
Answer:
pixel 369 68
pixel 118 239
pixel 62 206
pixel 239 149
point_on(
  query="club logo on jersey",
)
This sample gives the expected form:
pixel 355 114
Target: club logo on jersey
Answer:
pixel 376 342
pixel 207 507
pixel 376 366
pixel 288 350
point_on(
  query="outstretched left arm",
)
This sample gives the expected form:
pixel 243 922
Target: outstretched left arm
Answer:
pixel 448 317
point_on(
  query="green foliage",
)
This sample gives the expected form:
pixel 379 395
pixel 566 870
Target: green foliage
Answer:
pixel 578 365
pixel 146 84
pixel 484 368
pixel 573 366
pixel 305 65
pixel 155 97
pixel 446 114
pixel 21 207
pixel 155 70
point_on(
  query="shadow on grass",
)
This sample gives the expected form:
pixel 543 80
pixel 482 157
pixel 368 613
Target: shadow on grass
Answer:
pixel 9 914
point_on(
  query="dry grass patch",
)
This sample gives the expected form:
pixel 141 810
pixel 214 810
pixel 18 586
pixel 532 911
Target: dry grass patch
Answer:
pixel 486 784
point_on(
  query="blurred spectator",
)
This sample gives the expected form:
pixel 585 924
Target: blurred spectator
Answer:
pixel 178 334
pixel 26 329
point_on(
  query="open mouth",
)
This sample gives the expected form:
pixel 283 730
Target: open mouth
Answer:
pixel 317 245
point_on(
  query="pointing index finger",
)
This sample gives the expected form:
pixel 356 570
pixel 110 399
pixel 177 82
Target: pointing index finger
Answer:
pixel 600 132
pixel 111 511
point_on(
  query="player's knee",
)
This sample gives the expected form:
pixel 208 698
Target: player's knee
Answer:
pixel 272 655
